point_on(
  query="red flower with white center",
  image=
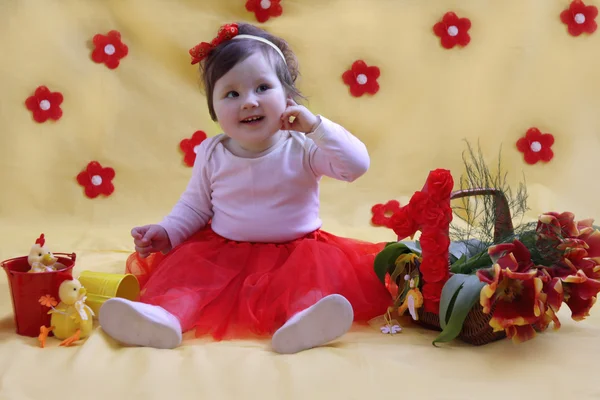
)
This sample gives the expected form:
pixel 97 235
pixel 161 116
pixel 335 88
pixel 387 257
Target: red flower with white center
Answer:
pixel 383 213
pixel 96 180
pixel 580 18
pixel 189 147
pixel 109 49
pixel 453 30
pixel 362 79
pixel 45 104
pixel 264 9
pixel 536 146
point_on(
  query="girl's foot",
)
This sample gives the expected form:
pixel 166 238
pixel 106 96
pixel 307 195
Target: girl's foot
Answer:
pixel 138 324
pixel 326 320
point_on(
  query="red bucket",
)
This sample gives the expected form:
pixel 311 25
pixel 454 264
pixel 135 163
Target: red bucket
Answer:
pixel 27 288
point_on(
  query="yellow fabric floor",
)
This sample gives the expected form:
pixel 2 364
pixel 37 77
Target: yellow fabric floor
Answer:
pixel 521 69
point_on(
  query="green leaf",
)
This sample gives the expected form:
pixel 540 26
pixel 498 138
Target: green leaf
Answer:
pixel 387 256
pixel 456 266
pixel 468 265
pixel 449 291
pixel 399 270
pixel 466 297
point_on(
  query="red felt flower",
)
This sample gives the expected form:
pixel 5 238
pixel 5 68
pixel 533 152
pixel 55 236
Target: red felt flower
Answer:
pixel 264 9
pixel 45 104
pixel 536 146
pixel 362 79
pixel 580 18
pixel 109 49
pixel 453 30
pixel 96 180
pixel 189 147
pixel 403 224
pixel 383 213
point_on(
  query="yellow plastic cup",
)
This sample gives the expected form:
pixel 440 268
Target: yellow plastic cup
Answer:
pixel 101 286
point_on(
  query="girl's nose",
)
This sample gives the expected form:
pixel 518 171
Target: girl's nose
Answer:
pixel 250 101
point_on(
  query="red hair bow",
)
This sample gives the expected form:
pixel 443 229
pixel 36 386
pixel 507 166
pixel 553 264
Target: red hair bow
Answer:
pixel 200 51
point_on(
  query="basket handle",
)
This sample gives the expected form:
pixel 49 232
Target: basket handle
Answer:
pixel 72 256
pixel 503 225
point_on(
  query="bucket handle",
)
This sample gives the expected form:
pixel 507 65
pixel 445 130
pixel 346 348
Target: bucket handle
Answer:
pixel 72 256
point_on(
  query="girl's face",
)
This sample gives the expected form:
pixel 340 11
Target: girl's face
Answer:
pixel 249 101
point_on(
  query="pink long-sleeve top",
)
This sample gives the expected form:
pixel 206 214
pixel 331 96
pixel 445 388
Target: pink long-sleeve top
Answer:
pixel 273 197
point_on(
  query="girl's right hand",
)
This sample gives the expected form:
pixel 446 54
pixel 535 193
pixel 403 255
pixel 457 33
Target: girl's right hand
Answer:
pixel 150 239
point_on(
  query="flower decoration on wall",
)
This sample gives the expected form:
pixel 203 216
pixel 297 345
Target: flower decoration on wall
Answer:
pixel 264 9
pixel 536 146
pixel 383 213
pixel 362 78
pixel 453 30
pixel 189 146
pixel 96 180
pixel 580 18
pixel 109 49
pixel 45 104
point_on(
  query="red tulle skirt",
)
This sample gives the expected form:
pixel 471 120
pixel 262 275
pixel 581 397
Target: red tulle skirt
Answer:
pixel 230 289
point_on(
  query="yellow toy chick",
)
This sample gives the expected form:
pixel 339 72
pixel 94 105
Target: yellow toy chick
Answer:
pixel 41 259
pixel 72 319
pixel 413 300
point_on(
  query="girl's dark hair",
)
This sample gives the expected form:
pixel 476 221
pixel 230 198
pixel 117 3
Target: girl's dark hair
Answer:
pixel 225 56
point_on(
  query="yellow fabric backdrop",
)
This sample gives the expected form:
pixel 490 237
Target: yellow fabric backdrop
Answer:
pixel 521 69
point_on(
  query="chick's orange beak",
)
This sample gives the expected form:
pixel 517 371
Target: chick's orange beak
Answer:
pixel 48 259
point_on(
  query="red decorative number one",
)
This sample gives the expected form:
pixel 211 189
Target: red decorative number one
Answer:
pixel 430 213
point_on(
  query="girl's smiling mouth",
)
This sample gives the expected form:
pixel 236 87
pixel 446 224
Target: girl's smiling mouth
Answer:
pixel 252 120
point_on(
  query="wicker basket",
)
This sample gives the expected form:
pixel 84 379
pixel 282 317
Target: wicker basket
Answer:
pixel 476 329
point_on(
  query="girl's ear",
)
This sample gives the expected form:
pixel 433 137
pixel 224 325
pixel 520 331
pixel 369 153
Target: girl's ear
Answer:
pixel 291 99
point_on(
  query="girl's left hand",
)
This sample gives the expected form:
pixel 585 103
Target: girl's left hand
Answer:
pixel 303 120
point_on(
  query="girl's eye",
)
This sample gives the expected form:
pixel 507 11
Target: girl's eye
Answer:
pixel 232 94
pixel 263 88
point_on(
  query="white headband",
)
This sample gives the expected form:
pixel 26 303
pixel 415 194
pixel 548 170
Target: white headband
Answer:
pixel 260 39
